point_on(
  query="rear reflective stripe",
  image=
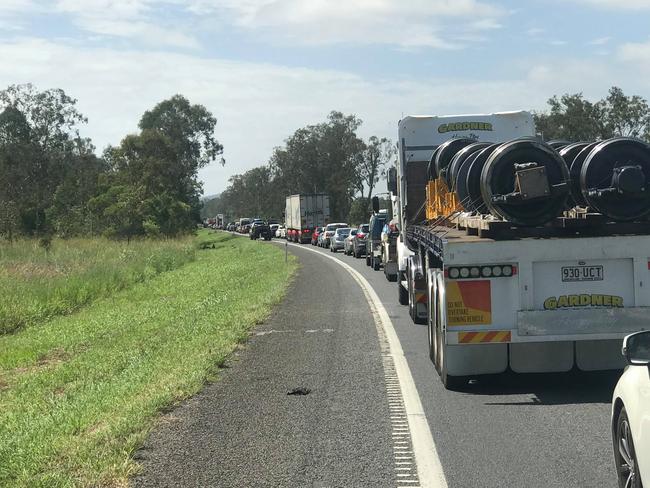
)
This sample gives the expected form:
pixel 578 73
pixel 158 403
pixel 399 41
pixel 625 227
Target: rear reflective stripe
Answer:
pixel 483 337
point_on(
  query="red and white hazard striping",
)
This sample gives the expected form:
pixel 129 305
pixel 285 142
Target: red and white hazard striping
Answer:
pixel 483 337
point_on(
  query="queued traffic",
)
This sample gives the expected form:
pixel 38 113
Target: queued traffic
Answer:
pixel 518 254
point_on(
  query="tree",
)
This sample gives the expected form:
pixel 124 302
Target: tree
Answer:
pixel 377 154
pixel 38 139
pixel 9 219
pixel 625 116
pixel 155 172
pixel 573 118
pixel 321 158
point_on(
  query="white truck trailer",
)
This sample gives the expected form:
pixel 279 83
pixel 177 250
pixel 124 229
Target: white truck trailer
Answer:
pixel 535 299
pixel 303 213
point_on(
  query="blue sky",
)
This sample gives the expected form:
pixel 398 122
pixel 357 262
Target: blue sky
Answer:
pixel 268 67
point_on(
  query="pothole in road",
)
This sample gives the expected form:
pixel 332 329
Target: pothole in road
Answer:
pixel 300 391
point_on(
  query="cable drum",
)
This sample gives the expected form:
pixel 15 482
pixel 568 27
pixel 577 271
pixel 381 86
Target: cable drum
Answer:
pixel 525 182
pixel 460 158
pixel 445 153
pixel 575 167
pixel 474 200
pixel 615 178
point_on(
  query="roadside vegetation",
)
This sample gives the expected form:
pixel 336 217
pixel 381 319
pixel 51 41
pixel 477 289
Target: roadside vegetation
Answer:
pixel 38 283
pixel 79 393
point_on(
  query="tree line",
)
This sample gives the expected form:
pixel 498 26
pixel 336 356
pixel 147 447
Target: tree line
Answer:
pixel 327 157
pixel 53 183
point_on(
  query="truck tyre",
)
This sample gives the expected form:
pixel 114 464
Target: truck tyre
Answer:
pixel 367 260
pixel 403 295
pixel 376 264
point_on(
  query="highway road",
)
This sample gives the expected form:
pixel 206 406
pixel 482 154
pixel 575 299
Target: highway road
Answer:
pixel 244 430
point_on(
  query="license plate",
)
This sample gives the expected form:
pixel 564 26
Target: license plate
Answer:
pixel 582 273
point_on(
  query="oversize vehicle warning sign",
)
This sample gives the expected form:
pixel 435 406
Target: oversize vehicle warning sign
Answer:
pixel 469 303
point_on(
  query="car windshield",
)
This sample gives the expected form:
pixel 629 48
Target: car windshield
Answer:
pixel 343 231
pixel 365 227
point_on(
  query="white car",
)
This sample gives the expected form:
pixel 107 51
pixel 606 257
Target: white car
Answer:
pixel 281 233
pixel 631 414
pixel 274 229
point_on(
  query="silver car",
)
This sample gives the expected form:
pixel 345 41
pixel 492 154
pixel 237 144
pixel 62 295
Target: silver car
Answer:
pixel 328 232
pixel 348 244
pixel 337 241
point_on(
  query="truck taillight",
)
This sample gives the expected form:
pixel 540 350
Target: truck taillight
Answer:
pixel 486 271
pixel 306 231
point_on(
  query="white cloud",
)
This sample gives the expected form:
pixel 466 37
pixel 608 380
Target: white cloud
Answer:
pixel 258 105
pixel 426 23
pixel 635 52
pixel 535 31
pixel 600 41
pixel 618 4
pixel 133 19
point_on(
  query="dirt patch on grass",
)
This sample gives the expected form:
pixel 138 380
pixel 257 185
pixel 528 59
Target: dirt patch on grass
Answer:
pixel 26 271
pixel 50 360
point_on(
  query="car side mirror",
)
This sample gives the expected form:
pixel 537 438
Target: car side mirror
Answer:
pixel 392 180
pixel 375 204
pixel 636 348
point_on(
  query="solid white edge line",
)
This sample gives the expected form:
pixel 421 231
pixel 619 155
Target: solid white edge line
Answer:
pixel 424 449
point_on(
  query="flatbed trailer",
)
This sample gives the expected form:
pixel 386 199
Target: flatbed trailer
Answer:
pixel 530 305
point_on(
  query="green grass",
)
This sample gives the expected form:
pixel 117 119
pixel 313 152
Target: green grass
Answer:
pixel 36 286
pixel 79 393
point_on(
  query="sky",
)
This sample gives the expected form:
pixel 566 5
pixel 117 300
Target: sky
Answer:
pixel 265 68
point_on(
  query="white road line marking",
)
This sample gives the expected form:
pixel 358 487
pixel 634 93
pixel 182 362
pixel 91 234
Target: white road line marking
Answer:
pixel 428 463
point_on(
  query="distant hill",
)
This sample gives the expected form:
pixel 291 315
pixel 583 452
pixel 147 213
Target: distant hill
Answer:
pixel 207 198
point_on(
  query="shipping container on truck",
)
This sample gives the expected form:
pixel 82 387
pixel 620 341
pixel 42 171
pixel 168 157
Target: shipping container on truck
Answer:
pixel 303 213
pixel 530 303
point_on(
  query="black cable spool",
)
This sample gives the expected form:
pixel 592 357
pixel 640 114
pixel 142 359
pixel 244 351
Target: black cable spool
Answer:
pixel 460 158
pixel 575 166
pixel 431 167
pixel 615 178
pixel 525 182
pixel 460 184
pixel 445 153
pixel 473 200
pixel 558 144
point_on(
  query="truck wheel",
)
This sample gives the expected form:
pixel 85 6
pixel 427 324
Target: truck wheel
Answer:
pixel 454 383
pixel 376 264
pixel 368 260
pixel 403 295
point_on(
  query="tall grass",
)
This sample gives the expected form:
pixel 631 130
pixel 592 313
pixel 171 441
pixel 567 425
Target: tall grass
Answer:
pixel 36 285
pixel 79 393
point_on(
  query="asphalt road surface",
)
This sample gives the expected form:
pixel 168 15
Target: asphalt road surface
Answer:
pixel 507 431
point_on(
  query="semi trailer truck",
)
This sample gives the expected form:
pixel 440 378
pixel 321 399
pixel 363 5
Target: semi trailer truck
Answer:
pixel 498 259
pixel 305 212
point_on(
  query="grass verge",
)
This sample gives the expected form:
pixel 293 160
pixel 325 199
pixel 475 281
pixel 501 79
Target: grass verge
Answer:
pixel 36 285
pixel 79 393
